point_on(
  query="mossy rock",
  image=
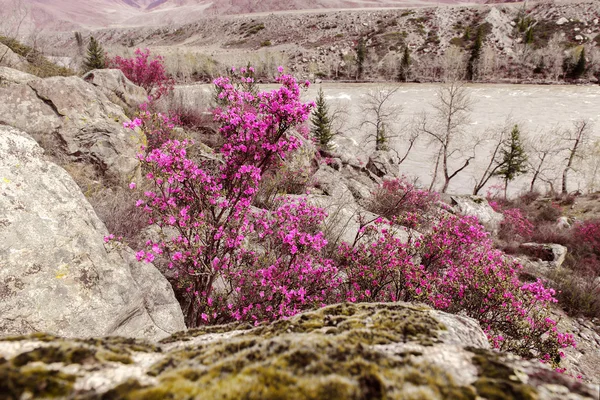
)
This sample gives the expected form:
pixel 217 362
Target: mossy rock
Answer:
pixel 343 351
pixel 33 382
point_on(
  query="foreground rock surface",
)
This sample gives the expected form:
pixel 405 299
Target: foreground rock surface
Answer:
pixel 71 117
pixel 56 273
pixel 344 351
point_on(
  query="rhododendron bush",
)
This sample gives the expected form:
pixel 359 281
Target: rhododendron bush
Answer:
pixel 144 72
pixel 454 267
pixel 236 262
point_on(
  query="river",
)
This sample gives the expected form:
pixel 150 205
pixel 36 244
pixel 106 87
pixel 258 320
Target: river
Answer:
pixel 539 110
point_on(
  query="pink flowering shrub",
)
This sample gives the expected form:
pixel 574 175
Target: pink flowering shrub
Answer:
pixel 400 198
pixel 149 74
pixel 454 267
pixel 207 209
pixel 158 127
pixel 234 262
pixel 515 225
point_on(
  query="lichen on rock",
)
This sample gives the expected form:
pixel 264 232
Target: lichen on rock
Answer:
pixel 342 351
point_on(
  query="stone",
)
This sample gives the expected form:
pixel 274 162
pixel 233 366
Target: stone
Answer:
pixel 57 275
pixel 77 120
pixel 479 207
pixel 10 59
pixel 342 351
pixel 579 38
pixel 562 21
pixel 115 85
pixel 563 223
pixel 384 164
pixel 554 254
pixel 12 76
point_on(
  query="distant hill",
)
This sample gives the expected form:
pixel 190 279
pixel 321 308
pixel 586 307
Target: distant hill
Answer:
pixel 68 15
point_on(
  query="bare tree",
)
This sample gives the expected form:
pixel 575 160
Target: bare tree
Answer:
pixel 12 24
pixel 552 57
pixel 577 140
pixel 380 116
pixel 447 131
pixel 496 139
pixel 541 148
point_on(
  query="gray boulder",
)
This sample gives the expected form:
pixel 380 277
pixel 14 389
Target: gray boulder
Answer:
pixel 552 254
pixel 479 207
pixel 56 273
pixel 74 118
pixel 115 85
pixel 8 58
pixel 12 76
pixel 384 164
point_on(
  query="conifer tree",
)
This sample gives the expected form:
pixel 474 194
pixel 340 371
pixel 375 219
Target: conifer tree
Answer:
pixel 475 54
pixel 580 67
pixel 404 65
pixel 95 56
pixel 321 122
pixel 361 53
pixel 514 158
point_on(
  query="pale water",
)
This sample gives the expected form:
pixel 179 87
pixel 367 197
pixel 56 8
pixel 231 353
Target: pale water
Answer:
pixel 537 109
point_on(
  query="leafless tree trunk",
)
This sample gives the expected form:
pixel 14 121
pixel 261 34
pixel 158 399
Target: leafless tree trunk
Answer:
pixel 578 139
pixel 497 138
pixel 452 108
pixel 541 150
pixel 380 116
pixel 17 15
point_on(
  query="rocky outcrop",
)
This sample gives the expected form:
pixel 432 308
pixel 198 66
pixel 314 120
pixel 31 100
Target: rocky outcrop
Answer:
pixel 56 273
pixel 9 58
pixel 76 119
pixel 551 254
pixel 115 85
pixel 344 351
pixel 479 207
pixel 11 76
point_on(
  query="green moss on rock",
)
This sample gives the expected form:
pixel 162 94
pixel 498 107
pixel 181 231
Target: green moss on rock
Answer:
pixel 33 382
pixel 69 353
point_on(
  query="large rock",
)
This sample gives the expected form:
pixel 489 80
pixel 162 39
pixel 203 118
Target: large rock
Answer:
pixel 479 207
pixel 12 76
pixel 343 351
pixel 551 254
pixel 115 85
pixel 10 59
pixel 76 119
pixel 56 273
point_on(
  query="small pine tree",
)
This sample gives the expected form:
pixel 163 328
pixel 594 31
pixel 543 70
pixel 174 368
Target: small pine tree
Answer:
pixel 361 53
pixel 514 158
pixel 321 122
pixel 404 65
pixel 95 56
pixel 529 38
pixel 580 67
pixel 475 54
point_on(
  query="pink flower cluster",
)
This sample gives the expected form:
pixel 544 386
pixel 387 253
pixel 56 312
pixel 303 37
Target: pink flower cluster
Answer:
pixel 399 198
pixel 454 267
pixel 149 74
pixel 157 127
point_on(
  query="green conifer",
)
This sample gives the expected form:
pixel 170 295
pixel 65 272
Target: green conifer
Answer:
pixel 404 65
pixel 514 158
pixel 95 56
pixel 321 122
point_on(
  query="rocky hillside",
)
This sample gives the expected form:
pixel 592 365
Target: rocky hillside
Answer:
pixel 361 351
pixel 531 44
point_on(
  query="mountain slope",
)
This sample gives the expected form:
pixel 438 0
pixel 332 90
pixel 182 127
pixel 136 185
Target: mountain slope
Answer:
pixel 68 15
